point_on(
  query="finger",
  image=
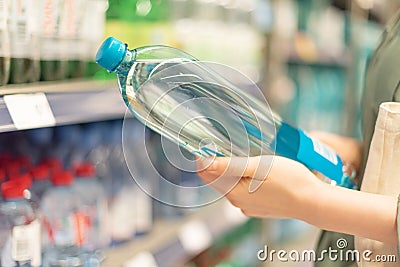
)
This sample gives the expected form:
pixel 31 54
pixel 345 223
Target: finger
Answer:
pixel 222 173
pixel 227 170
pixel 258 169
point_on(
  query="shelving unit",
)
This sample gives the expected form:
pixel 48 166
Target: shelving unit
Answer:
pixel 172 243
pixel 70 102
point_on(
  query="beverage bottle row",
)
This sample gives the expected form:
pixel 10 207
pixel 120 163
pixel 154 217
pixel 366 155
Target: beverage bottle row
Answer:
pixel 55 159
pixel 52 216
pixel 48 40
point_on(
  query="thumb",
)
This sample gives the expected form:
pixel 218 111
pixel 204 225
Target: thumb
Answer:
pixel 254 167
pixel 225 170
pixel 221 173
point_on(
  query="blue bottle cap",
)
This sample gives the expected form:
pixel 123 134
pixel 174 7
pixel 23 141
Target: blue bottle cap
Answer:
pixel 111 53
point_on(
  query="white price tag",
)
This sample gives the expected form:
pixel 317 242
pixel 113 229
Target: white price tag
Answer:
pixel 29 110
pixel 21 243
pixel 143 259
pixel 195 237
pixel 26 243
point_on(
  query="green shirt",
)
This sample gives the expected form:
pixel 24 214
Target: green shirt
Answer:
pixel 381 85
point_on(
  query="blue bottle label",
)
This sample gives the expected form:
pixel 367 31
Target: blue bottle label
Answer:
pixel 319 157
pixel 324 151
pixel 295 144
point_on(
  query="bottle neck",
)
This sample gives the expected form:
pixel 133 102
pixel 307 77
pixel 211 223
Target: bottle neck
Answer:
pixel 126 63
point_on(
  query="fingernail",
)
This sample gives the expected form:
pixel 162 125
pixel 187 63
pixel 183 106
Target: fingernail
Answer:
pixel 208 164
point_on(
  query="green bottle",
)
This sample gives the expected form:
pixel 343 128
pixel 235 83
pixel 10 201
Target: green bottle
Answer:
pixel 24 65
pixel 53 62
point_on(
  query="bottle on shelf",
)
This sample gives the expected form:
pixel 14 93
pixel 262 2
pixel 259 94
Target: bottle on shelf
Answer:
pixel 94 209
pixel 166 88
pixel 24 65
pixel 95 14
pixel 21 244
pixel 41 180
pixel 53 61
pixel 123 200
pixel 140 177
pixel 25 179
pixel 63 222
pixel 71 25
pixel 5 43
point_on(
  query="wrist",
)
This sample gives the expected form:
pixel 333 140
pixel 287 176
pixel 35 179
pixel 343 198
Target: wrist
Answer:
pixel 310 206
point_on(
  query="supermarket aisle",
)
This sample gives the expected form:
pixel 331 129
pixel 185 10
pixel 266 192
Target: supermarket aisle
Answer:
pixel 63 124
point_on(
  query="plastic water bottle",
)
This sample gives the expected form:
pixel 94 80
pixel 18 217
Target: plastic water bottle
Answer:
pixel 123 204
pixel 95 14
pixel 4 44
pixel 63 222
pixel 94 208
pixel 71 19
pixel 21 245
pixel 25 179
pixel 191 104
pixel 25 65
pixel 41 180
pixel 53 63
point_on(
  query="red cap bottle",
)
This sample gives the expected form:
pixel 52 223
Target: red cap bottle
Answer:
pixel 62 178
pixel 24 179
pixel 85 170
pixel 40 172
pixel 13 190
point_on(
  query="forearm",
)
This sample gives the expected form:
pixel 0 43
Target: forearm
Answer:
pixel 353 212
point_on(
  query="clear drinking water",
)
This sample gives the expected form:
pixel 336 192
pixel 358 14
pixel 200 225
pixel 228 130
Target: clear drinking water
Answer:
pixel 20 229
pixel 190 103
pixel 63 222
pixel 94 208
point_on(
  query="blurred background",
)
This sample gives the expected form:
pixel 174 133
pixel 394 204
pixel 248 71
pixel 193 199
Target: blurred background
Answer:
pixel 61 116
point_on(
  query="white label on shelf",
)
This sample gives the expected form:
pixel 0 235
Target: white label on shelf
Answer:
pixel 29 110
pixel 195 237
pixel 143 259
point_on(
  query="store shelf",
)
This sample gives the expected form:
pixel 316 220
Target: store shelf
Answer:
pixel 172 243
pixel 70 102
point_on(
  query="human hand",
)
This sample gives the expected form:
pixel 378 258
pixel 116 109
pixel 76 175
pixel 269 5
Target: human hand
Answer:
pixel 286 188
